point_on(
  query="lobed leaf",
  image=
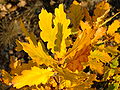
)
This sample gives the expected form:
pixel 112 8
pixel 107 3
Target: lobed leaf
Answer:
pixel 76 14
pixel 55 36
pixel 35 76
pixel 37 53
pixel 113 27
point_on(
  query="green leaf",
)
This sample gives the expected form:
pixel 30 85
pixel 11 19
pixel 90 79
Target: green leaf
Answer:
pixel 115 63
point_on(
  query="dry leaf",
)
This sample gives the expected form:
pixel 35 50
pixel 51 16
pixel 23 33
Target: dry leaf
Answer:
pixel 79 57
pixel 76 14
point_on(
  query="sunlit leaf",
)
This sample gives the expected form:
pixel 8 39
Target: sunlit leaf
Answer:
pixel 61 24
pixel 117 37
pixel 55 36
pixel 35 76
pixel 77 80
pixel 17 66
pixel 99 33
pixel 48 34
pixel 103 56
pixel 94 65
pixel 109 49
pixel 31 35
pixel 113 27
pixel 37 53
pixel 114 63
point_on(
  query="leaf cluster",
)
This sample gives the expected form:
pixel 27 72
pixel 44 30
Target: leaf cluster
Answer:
pixel 96 47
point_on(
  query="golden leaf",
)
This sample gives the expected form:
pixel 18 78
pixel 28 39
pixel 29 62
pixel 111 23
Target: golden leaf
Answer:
pixel 96 65
pixel 37 53
pixel 117 37
pixel 31 35
pixel 103 56
pixel 55 36
pixel 113 27
pixel 61 24
pixel 19 46
pixel 99 33
pixel 35 76
pixel 83 39
pixel 109 49
pixel 76 79
pixel 95 59
pixel 48 33
pixel 88 18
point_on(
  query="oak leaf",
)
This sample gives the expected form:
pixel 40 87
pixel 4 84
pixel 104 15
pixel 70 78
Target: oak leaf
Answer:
pixel 76 14
pixel 101 55
pixel 48 34
pixel 37 53
pixel 98 34
pixel 113 27
pixel 55 36
pixel 17 66
pixel 79 57
pixel 77 79
pixel 61 24
pixel 96 60
pixel 6 77
pixel 83 39
pixel 117 37
pixel 96 65
pixel 81 48
pixel 35 76
pixel 109 49
pixel 100 10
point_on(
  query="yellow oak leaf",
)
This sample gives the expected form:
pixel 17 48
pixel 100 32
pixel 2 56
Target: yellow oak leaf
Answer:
pixel 27 34
pixel 83 40
pixel 117 37
pixel 100 10
pixel 76 14
pixel 48 33
pixel 55 36
pixel 109 49
pixel 19 46
pixel 61 24
pixel 96 65
pixel 113 27
pixel 96 60
pixel 101 55
pixel 99 33
pixel 37 53
pixel 81 78
pixel 35 76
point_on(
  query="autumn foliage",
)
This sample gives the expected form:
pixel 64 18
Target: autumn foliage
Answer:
pixel 71 65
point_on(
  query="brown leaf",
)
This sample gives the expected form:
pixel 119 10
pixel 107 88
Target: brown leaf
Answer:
pixel 80 56
pixel 76 14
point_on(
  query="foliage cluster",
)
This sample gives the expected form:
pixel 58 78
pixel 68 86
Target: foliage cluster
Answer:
pixel 67 64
